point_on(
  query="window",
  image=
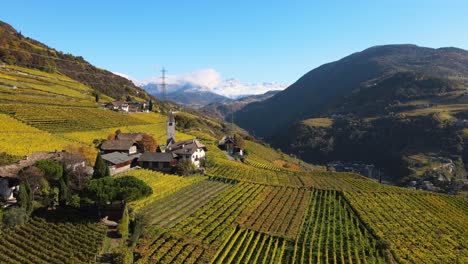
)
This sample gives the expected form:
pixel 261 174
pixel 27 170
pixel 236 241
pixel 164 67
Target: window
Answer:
pixel 170 123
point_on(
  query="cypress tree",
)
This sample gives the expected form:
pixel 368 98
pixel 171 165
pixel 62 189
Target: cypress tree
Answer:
pixel 150 106
pixel 122 228
pixel 63 192
pixel 107 173
pixel 100 168
pixel 25 198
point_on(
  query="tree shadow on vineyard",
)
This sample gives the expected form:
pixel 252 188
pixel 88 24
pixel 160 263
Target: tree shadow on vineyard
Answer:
pixel 67 215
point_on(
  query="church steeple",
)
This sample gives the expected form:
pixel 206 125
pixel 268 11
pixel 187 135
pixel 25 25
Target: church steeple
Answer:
pixel 170 128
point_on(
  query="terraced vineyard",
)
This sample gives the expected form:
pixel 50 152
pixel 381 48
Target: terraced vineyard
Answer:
pixel 28 86
pixel 239 171
pixel 203 231
pixel 156 126
pixel 307 217
pixel 170 210
pixel 162 185
pixel 332 233
pixel 419 228
pixel 248 246
pixel 32 139
pixel 279 212
pixel 261 165
pixel 42 242
pixel 68 119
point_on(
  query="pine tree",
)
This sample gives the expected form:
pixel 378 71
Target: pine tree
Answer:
pixel 100 168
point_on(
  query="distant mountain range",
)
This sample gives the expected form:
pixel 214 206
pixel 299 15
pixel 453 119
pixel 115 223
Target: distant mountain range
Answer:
pixel 198 96
pixel 223 110
pixel 186 94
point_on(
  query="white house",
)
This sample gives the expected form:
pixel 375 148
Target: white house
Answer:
pixel 8 186
pixel 190 149
pixel 118 105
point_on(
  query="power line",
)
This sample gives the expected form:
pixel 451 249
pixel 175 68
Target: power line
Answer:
pixel 163 83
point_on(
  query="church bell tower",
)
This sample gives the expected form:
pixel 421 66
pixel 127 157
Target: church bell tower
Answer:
pixel 170 128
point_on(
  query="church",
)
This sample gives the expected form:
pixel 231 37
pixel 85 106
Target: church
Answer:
pixel 167 156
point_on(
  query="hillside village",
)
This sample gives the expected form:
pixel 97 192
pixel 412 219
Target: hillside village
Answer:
pixel 93 169
pixel 127 150
pixel 121 153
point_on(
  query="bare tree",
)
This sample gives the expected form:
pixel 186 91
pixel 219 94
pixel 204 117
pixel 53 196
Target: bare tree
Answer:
pixel 34 178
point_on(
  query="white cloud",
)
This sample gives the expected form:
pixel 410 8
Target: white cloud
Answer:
pixel 126 76
pixel 211 80
pixel 234 88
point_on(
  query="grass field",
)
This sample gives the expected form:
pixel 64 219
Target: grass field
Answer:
pixel 319 122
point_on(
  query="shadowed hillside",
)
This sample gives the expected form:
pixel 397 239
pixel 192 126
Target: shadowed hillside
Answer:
pixel 328 85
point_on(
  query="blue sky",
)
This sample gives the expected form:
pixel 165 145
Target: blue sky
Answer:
pixel 253 41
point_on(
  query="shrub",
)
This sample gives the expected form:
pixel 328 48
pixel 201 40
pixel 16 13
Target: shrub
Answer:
pixel 131 188
pixel 108 189
pixel 185 167
pixel 52 169
pixel 6 158
pixel 123 255
pixel 15 216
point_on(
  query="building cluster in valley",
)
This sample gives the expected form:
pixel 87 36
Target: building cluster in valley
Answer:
pixel 127 106
pixel 124 151
pixel 368 170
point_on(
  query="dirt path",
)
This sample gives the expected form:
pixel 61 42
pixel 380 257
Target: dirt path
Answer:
pixel 114 241
pixel 13 169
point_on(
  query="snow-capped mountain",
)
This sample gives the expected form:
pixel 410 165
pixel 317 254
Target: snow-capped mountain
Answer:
pixel 206 86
